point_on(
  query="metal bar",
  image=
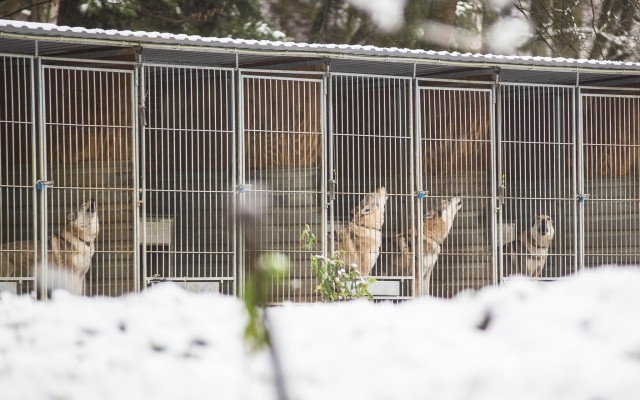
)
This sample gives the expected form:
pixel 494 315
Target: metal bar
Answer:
pixel 87 61
pixel 239 197
pixel 495 173
pixel 272 79
pixel 580 183
pixel 277 74
pixel 139 209
pixel 418 268
pixel 233 181
pixel 327 153
pixel 42 172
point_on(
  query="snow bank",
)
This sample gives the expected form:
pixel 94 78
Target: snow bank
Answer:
pixel 574 339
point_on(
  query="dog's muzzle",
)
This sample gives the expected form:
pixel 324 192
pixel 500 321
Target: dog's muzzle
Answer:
pixel 92 206
pixel 543 227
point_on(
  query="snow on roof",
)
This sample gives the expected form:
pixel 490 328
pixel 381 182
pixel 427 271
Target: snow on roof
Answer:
pixel 141 37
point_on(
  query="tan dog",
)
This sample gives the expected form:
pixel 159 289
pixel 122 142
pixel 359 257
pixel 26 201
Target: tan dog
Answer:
pixel 436 226
pixel 70 251
pixel 527 255
pixel 358 242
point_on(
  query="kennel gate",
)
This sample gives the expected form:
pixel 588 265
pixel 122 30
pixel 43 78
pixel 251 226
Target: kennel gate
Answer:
pixel 81 149
pixel 282 151
pixel 188 177
pixel 456 157
pixel 537 168
pixel 371 144
pixel 18 212
pixel 609 176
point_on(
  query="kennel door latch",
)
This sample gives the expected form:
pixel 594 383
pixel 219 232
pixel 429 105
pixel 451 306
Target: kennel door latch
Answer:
pixel 333 188
pixel 40 184
pixel 502 188
pixel 422 194
pixel 243 187
pixel 582 197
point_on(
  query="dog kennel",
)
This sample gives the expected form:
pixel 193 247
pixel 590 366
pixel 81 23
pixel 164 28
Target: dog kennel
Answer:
pixel 175 137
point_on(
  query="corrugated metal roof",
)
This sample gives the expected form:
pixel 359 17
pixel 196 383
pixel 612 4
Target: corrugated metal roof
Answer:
pixel 156 39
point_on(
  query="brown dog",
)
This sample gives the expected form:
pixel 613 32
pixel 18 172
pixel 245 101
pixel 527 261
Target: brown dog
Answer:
pixel 358 242
pixel 436 226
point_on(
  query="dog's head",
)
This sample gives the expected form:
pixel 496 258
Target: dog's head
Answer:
pixel 370 212
pixel 449 208
pixel 542 229
pixel 84 222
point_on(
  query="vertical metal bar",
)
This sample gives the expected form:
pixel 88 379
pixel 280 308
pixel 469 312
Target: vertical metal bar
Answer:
pixel 325 138
pixel 34 161
pixel 142 167
pixel 43 177
pixel 239 196
pixel 497 201
pixel 576 127
pixel 231 131
pixel 407 95
pixel 139 209
pixel 418 268
pixel 494 174
pixel 580 181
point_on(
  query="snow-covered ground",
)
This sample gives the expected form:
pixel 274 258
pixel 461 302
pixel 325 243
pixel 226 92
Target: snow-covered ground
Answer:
pixel 575 339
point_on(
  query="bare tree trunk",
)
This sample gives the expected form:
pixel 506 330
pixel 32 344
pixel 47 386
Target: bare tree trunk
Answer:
pixel 30 10
pixel 444 12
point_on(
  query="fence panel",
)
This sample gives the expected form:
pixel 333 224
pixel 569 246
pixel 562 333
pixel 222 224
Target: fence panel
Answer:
pixel 611 171
pixel 189 178
pixel 372 209
pixel 457 164
pixel 538 175
pixel 282 154
pixel 18 227
pixel 89 153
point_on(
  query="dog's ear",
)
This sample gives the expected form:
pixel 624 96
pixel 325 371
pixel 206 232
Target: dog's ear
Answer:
pixel 72 216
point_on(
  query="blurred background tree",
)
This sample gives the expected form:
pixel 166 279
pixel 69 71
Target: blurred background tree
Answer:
pixel 597 29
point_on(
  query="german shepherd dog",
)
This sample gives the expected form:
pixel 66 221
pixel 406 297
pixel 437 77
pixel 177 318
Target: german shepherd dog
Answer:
pixel 436 226
pixel 527 255
pixel 358 242
pixel 69 253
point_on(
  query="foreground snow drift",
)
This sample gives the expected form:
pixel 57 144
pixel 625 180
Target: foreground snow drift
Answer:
pixel 575 339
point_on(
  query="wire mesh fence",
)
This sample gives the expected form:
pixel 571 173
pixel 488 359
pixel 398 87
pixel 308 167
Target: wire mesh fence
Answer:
pixel 538 164
pixel 457 220
pixel 282 153
pixel 611 153
pixel 187 161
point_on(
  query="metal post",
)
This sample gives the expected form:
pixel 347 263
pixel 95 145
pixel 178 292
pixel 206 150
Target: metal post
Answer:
pixel 325 119
pixel 43 177
pixel 139 180
pixel 418 245
pixel 579 167
pixel 239 195
pixel 231 119
pixel 496 223
pixel 497 199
